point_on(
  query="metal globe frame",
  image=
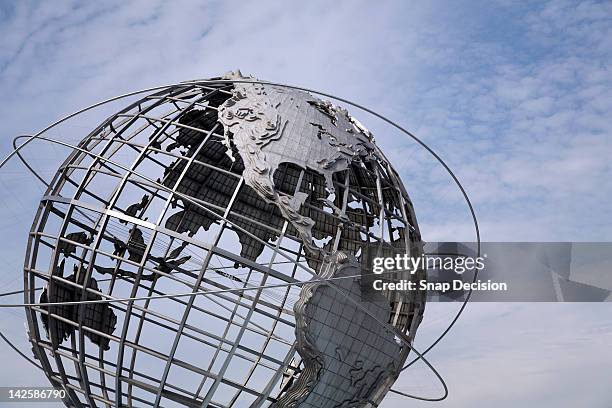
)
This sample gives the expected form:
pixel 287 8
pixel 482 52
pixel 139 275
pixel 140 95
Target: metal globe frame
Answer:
pixel 91 218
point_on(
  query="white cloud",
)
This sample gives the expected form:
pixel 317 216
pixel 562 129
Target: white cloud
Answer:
pixel 508 355
pixel 515 98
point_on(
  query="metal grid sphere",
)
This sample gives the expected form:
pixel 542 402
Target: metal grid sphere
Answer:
pixel 197 188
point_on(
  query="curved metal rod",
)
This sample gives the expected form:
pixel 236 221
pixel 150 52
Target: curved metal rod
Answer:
pixel 65 118
pixel 178 295
pixel 25 162
pixel 14 347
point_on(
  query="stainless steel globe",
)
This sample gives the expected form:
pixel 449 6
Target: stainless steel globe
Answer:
pixel 262 202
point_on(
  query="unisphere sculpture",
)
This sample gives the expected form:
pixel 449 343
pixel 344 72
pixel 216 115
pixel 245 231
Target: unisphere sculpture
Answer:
pixel 264 197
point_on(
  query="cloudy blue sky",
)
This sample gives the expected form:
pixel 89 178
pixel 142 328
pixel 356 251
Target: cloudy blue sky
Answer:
pixel 515 96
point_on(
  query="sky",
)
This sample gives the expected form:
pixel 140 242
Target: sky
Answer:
pixel 514 96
